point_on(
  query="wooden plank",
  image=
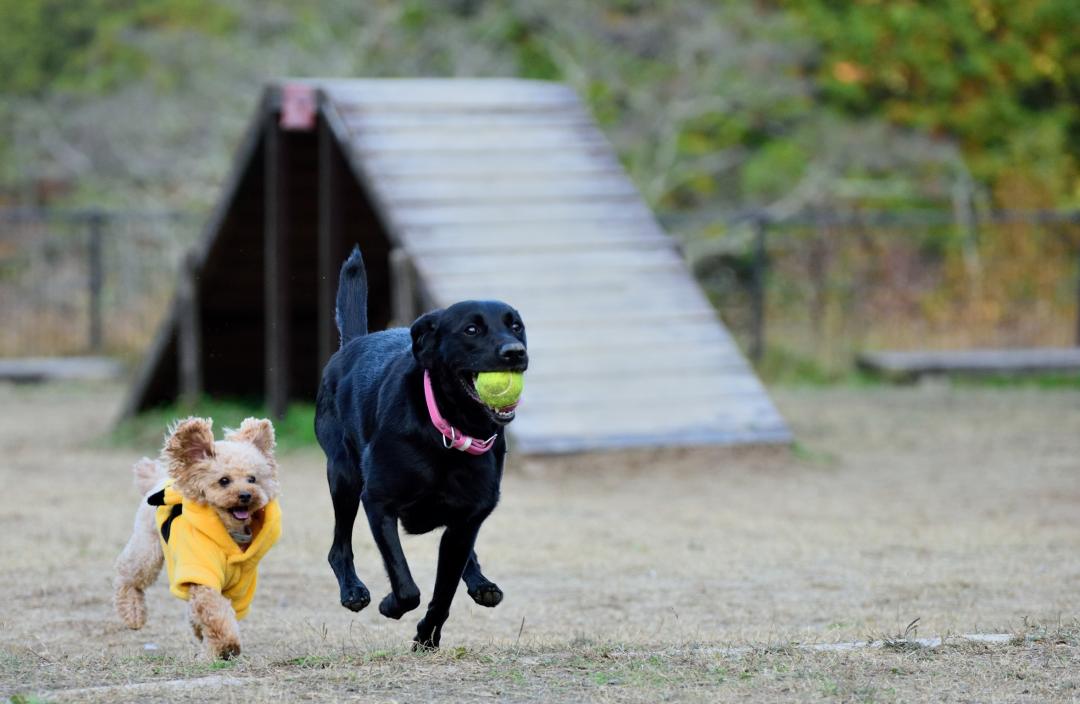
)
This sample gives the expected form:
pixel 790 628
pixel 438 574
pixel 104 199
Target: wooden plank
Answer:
pixel 465 140
pixel 578 379
pixel 548 340
pixel 587 440
pixel 605 288
pixel 493 165
pixel 645 303
pixel 442 93
pixel 401 193
pixel 977 361
pixel 626 279
pixel 361 118
pixel 579 317
pixel 495 233
pixel 276 261
pixel 559 242
pixel 741 414
pixel 505 260
pixel 606 210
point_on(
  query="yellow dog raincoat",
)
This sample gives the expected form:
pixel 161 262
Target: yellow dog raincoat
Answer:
pixel 199 550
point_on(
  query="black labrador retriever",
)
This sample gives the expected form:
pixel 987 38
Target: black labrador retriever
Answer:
pixel 404 432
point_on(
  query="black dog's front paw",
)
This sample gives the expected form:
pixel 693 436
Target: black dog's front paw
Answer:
pixel 355 597
pixel 427 637
pixel 487 594
pixel 395 608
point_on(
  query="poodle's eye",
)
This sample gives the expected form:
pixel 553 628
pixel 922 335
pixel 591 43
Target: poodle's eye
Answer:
pixel 472 330
pixel 224 481
pixel 251 480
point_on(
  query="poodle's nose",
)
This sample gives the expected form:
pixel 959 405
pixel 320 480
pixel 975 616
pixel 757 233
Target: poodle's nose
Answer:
pixel 244 498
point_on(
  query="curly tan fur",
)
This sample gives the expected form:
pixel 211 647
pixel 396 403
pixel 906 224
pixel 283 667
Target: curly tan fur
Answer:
pixel 141 559
pixel 213 621
pixel 198 465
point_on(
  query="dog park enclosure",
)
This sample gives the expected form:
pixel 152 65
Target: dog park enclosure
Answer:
pixel 456 189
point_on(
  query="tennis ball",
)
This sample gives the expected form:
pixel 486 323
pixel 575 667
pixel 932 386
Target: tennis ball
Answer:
pixel 499 389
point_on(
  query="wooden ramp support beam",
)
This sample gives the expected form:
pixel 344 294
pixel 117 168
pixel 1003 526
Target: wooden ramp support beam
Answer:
pixel 330 234
pixel 189 336
pixel 276 262
pixel 403 303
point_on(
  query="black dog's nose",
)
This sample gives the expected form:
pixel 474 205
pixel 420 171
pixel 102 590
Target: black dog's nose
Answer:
pixel 244 498
pixel 512 352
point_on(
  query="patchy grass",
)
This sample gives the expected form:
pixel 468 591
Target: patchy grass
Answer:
pixel 632 577
pixel 1047 381
pixel 617 671
pixel 296 430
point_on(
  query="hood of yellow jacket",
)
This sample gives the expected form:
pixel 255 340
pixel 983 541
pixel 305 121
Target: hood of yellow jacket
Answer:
pixel 265 524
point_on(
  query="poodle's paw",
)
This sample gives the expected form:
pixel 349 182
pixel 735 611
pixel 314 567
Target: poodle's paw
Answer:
pixel 131 606
pixel 227 650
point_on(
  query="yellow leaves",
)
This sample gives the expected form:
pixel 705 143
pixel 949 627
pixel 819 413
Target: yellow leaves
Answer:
pixel 1046 65
pixel 848 72
pixel 984 15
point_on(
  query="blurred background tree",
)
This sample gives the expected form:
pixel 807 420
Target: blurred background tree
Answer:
pixel 792 106
pixel 711 104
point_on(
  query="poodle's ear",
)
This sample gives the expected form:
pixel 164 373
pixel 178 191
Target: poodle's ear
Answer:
pixel 191 441
pixel 259 432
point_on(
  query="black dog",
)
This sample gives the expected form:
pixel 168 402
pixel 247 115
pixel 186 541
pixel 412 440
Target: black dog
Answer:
pixel 383 448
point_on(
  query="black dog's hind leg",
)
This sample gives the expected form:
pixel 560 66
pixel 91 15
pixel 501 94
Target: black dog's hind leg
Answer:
pixel 482 590
pixel 454 551
pixel 404 595
pixel 345 487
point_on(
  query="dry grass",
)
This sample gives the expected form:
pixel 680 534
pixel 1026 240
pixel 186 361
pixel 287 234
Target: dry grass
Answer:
pixel 635 576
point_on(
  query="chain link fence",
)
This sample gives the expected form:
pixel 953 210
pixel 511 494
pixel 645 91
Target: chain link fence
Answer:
pixel 87 282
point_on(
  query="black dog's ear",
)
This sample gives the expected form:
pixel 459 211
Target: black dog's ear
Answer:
pixel 423 333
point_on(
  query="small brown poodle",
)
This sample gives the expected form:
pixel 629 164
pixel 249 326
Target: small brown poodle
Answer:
pixel 210 513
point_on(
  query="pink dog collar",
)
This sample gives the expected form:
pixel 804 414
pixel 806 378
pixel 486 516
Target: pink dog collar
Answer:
pixel 452 437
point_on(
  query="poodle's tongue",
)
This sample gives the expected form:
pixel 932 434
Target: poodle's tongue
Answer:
pixel 240 514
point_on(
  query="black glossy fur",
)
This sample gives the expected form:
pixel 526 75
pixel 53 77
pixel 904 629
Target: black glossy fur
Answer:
pixel 382 450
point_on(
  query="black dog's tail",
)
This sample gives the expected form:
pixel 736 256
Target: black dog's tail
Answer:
pixel 351 311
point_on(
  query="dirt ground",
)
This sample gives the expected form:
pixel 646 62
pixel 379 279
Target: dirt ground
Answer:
pixel 688 576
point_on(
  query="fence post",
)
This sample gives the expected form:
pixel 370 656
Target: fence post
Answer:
pixel 95 257
pixel 189 334
pixel 757 293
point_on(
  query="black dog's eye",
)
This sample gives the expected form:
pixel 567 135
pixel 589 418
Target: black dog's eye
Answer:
pixel 472 330
pixel 224 481
pixel 251 480
pixel 517 327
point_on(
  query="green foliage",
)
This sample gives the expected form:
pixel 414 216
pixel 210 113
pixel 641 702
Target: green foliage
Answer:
pixel 999 76
pixel 147 430
pixel 91 45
